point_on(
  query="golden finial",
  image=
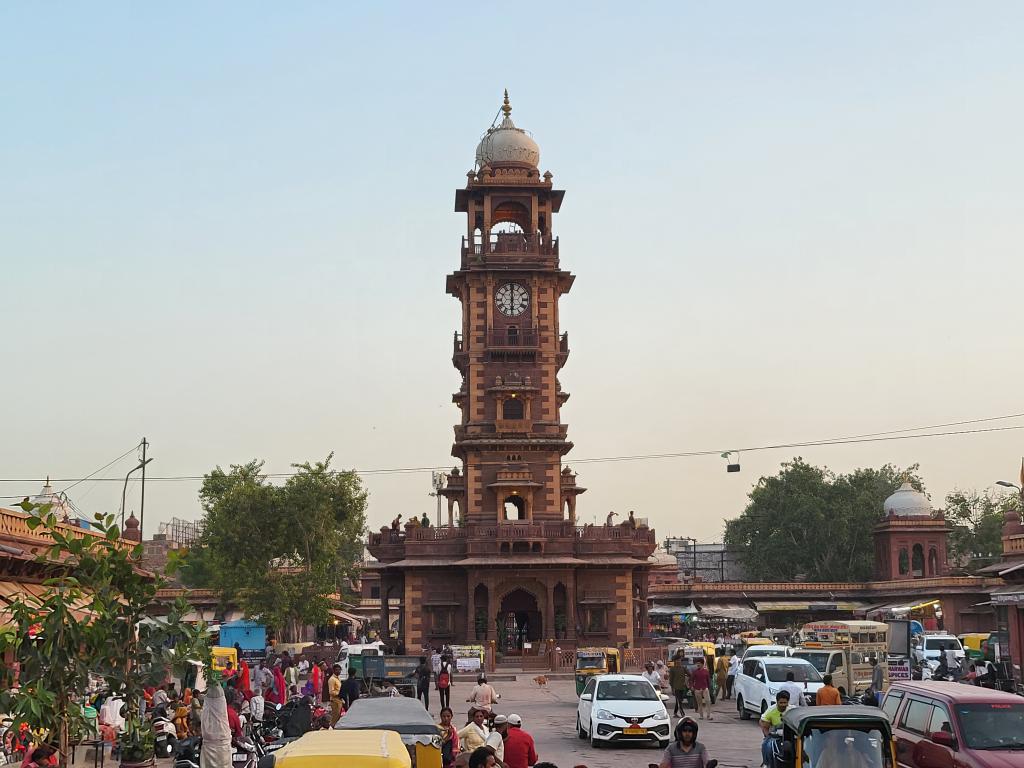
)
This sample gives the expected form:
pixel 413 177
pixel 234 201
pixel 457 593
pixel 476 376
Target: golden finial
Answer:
pixel 506 108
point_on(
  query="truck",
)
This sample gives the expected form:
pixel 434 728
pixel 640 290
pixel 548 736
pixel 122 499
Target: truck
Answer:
pixel 375 672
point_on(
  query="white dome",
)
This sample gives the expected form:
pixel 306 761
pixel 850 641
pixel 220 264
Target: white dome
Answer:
pixel 907 502
pixel 507 145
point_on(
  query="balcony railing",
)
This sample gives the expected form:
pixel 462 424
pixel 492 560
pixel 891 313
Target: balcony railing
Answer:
pixel 518 338
pixel 512 243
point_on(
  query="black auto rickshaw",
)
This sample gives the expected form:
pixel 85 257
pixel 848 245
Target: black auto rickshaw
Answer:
pixel 836 737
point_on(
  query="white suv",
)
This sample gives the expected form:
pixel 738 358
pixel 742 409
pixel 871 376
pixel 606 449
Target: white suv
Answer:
pixel 762 677
pixel 933 646
pixel 616 708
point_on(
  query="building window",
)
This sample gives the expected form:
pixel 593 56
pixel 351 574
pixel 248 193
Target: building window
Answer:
pixel 514 507
pixel 917 561
pixel 512 408
pixel 597 619
pixel 375 593
pixel 933 562
pixel 904 562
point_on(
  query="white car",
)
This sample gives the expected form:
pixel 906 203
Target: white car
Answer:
pixel 762 677
pixel 933 646
pixel 767 650
pixel 616 708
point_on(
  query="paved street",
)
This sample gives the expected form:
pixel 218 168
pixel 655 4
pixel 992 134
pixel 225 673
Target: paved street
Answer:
pixel 549 713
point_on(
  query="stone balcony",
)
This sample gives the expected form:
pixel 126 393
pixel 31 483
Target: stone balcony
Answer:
pixel 482 539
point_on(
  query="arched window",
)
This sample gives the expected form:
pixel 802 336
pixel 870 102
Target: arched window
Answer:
pixel 904 562
pixel 514 508
pixel 512 408
pixel 933 562
pixel 917 561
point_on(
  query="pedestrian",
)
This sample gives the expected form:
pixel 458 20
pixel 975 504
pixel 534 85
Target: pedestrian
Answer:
pixel 520 750
pixel 483 695
pixel 423 673
pixel 352 688
pixel 827 695
pixel 444 681
pixel 771 727
pixel 796 693
pixel 260 677
pixel 700 684
pixel 316 682
pixel 877 680
pixel 722 673
pixel 449 738
pixel 662 670
pixel 631 521
pixel 677 679
pixel 685 751
pixel 734 669
pixel 291 676
pixel 496 738
pixel 334 689
pixel 481 757
pixel 610 520
pixel 474 734
pixel 652 676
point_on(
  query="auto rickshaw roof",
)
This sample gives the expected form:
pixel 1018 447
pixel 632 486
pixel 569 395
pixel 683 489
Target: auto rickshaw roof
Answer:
pixel 400 714
pixel 799 719
pixel 331 749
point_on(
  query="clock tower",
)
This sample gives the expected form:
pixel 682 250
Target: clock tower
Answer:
pixel 511 568
pixel 510 348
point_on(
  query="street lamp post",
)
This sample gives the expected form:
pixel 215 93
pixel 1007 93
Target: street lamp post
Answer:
pixel 124 491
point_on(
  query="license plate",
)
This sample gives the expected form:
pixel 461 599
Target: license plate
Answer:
pixel 634 731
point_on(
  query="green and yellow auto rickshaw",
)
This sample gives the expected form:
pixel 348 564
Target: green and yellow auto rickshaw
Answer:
pixel 595 661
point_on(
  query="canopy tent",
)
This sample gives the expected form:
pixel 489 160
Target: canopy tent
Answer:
pixel 735 611
pixel 345 616
pixel 770 606
pixel 663 609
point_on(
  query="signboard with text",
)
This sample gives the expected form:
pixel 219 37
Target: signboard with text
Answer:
pixel 899 669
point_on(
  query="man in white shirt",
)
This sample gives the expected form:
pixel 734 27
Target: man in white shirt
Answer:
pixel 734 669
pixel 795 691
pixel 496 738
pixel 651 675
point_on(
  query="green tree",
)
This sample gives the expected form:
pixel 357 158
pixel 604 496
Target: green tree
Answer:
pixel 90 618
pixel 976 520
pixel 812 523
pixel 280 552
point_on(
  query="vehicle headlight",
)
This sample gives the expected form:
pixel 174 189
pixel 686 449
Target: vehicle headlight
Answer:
pixel 663 715
pixel 604 714
pixel 435 741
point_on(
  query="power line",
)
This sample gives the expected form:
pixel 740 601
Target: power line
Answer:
pixel 874 437
pixel 109 463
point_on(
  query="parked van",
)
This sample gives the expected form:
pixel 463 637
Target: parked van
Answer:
pixel 942 725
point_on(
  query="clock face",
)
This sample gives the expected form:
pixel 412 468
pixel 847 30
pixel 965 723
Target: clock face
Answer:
pixel 512 299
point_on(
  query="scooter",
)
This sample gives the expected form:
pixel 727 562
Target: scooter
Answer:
pixel 188 752
pixel 166 742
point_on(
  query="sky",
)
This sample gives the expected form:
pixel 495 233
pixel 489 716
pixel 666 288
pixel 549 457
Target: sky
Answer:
pixel 226 228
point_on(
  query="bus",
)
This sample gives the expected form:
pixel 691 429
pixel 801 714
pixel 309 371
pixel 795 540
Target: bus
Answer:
pixel 844 649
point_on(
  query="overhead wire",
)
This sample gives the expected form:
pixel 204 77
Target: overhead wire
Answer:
pixel 885 436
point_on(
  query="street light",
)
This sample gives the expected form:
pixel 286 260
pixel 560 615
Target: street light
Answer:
pixel 1008 484
pixel 124 491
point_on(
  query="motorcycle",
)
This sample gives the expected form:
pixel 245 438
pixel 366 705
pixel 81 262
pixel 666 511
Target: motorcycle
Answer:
pixel 166 742
pixel 187 755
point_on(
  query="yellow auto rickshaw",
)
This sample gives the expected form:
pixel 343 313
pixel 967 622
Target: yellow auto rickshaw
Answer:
pixel 972 643
pixel 343 749
pixel 595 661
pixel 407 717
pixel 222 655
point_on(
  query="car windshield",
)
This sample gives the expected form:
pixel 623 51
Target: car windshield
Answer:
pixel 802 673
pixel 590 662
pixel 819 660
pixel 626 690
pixel 942 644
pixel 992 726
pixel 829 747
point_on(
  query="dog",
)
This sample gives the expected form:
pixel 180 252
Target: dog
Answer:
pixel 540 680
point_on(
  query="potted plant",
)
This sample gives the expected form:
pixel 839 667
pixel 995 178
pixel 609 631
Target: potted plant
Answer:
pixel 87 620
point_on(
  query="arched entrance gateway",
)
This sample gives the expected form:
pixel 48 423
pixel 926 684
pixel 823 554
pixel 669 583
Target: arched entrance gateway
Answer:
pixel 519 621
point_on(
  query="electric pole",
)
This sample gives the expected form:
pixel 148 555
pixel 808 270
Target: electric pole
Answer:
pixel 142 502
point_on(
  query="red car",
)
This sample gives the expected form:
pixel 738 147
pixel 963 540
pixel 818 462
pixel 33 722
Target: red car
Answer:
pixel 952 725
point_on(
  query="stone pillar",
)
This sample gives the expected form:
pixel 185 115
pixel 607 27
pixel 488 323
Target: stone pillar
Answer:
pixel 471 607
pixel 549 608
pixel 570 606
pixel 385 619
pixel 572 510
pixel 451 519
pixel 493 606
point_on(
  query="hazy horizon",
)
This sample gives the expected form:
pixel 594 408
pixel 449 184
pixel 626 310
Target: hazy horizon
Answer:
pixel 227 229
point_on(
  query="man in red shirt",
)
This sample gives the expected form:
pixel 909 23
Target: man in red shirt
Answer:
pixel 700 684
pixel 519 748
